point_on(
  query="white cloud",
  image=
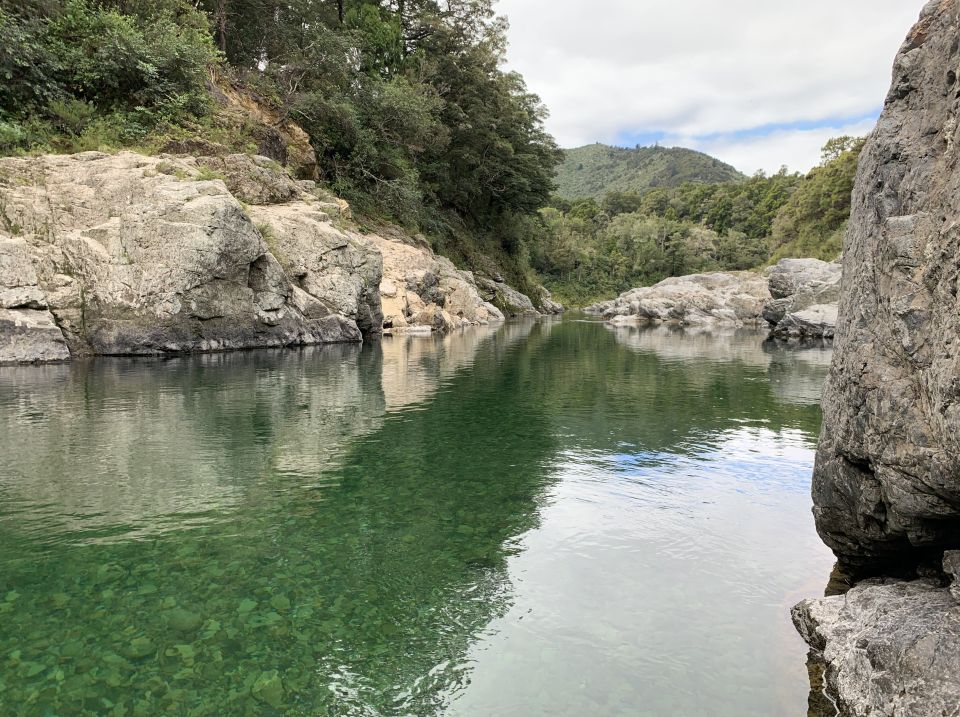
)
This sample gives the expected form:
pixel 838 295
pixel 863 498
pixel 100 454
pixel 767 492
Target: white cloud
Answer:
pixel 797 149
pixel 613 69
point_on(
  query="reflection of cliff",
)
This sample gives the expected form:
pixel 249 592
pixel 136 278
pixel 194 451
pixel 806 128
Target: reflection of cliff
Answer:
pixel 672 343
pixel 119 443
pixel 346 583
pixel 414 365
pixel 661 388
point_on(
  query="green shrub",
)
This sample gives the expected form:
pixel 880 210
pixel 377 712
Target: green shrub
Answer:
pixel 12 136
pixel 72 115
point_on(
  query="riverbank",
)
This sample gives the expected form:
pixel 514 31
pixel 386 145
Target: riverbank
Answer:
pixel 128 254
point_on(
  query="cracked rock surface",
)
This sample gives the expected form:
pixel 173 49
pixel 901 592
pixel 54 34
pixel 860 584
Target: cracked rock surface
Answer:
pixel 128 254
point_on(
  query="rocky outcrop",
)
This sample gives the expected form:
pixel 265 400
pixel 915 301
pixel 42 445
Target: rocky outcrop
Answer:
pixel 887 479
pixel 127 254
pixel 886 486
pixel 508 299
pixel 421 291
pixel 732 298
pixel 889 647
pixel 804 299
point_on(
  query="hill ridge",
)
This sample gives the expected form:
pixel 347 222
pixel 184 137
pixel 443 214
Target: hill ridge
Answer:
pixel 593 170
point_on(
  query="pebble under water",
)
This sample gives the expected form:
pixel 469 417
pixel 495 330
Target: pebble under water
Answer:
pixel 555 518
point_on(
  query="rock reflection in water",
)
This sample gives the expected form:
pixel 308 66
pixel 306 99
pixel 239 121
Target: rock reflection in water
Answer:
pixel 544 517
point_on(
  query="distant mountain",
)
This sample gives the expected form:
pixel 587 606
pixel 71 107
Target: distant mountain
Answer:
pixel 596 169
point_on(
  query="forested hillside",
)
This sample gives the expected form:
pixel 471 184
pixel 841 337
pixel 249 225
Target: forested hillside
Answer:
pixel 598 169
pixel 593 249
pixel 404 101
pixel 414 121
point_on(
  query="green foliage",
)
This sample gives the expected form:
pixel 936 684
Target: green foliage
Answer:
pixel 597 170
pixel 593 249
pixel 812 222
pixel 78 69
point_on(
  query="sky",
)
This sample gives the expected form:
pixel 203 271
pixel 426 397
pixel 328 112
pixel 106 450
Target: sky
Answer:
pixel 757 83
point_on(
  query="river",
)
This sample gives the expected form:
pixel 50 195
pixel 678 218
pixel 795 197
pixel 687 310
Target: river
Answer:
pixel 550 518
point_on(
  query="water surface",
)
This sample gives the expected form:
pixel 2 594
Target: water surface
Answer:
pixel 552 518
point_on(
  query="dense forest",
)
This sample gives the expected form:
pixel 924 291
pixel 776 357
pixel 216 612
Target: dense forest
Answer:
pixel 600 248
pixel 413 120
pixel 598 169
pixel 405 102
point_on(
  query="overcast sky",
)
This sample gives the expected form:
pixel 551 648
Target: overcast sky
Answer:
pixel 757 83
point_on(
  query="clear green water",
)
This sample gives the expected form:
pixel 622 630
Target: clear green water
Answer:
pixel 546 519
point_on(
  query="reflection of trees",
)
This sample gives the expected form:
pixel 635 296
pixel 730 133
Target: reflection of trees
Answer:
pixel 359 581
pixel 353 509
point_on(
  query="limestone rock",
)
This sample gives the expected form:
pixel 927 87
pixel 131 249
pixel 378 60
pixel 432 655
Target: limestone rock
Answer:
pixel 253 179
pixel 805 293
pixel 145 255
pixel 341 270
pixel 30 335
pixel 890 648
pixel 422 290
pixel 506 298
pixel 732 298
pixel 548 305
pixel 814 322
pixel 887 477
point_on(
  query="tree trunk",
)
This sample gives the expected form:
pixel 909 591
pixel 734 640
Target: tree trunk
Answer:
pixel 220 19
pixel 340 11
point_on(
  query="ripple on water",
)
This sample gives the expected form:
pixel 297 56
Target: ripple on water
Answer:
pixel 542 519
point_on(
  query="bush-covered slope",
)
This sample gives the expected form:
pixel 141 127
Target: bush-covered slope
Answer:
pixel 597 169
pixel 405 103
pixel 597 249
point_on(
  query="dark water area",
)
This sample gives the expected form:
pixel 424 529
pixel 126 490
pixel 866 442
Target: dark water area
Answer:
pixel 554 518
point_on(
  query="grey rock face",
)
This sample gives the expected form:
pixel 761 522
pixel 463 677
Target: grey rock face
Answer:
pixel 886 485
pixel 253 179
pixel 731 298
pixel 814 322
pixel 805 294
pixel 30 335
pixel 889 648
pixel 423 292
pixel 887 477
pixel 139 255
pixel 506 298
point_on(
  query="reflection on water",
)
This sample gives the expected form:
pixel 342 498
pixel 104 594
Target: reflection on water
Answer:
pixel 537 519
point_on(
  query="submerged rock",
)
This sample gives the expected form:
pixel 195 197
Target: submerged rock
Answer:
pixel 732 298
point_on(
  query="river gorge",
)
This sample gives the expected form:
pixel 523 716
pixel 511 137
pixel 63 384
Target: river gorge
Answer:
pixel 553 516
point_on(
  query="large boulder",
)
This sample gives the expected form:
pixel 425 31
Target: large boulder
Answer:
pixel 145 255
pixel 887 479
pixel 886 486
pixel 889 648
pixel 731 298
pixel 796 287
